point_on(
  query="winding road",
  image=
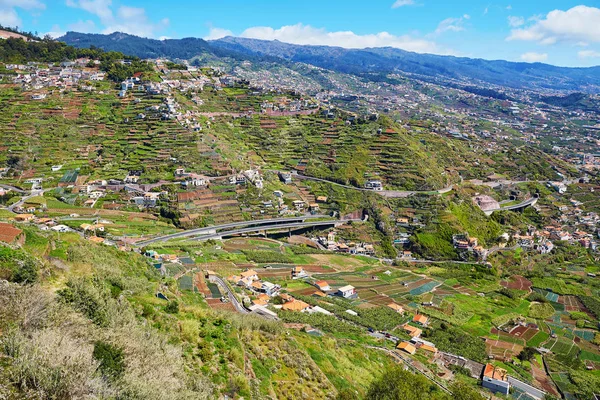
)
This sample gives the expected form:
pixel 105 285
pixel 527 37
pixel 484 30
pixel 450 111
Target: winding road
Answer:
pixel 238 306
pixel 384 193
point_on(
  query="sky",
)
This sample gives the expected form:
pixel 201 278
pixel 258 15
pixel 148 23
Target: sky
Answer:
pixel 558 32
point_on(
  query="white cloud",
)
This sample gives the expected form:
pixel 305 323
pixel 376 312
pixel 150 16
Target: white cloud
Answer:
pixel 308 35
pixel 578 24
pixel 534 57
pixel 402 3
pixel 515 22
pixel 8 12
pixel 583 54
pixel 55 32
pixel 452 24
pixel 132 20
pixel 217 33
pixel 87 26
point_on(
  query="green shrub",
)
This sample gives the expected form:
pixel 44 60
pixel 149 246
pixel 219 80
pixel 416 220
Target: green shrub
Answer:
pixel 111 359
pixel 172 307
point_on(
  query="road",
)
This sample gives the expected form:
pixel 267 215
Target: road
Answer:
pixel 14 189
pixel 24 199
pixel 209 229
pixel 238 306
pixel 384 193
pixel 529 202
pixel 270 227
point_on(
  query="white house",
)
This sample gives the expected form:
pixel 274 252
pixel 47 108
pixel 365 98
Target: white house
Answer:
pixel 347 291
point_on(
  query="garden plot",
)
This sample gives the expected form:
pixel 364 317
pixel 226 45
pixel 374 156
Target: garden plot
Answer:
pixel 185 283
pixel 524 332
pixel 425 288
pixel 200 284
pixel 572 303
pixel 553 297
pixel 567 349
pixel 517 282
pixel 585 334
pixel 502 350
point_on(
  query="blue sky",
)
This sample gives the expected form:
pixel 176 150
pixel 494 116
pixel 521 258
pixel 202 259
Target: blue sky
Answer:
pixel 560 32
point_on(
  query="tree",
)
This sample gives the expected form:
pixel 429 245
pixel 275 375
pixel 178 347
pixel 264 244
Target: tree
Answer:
pixel 526 354
pixel 111 359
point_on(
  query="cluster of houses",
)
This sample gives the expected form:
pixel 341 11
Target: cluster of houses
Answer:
pixel 251 175
pixel 35 76
pixel 542 240
pixel 332 244
pixel 464 242
pixel 249 279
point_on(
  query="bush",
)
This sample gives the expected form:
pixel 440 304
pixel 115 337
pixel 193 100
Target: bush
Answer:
pixel 17 266
pixel 172 307
pixel 111 359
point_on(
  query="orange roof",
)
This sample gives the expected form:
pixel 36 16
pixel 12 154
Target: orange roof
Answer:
pixel 259 302
pixel 412 331
pixel 493 372
pixel 395 307
pixel 23 217
pixel 96 239
pixel 321 284
pixel 257 285
pixel 264 297
pixel 428 348
pixel 286 297
pixel 9 233
pixel 407 347
pixel 420 318
pixel 296 305
pixel 248 273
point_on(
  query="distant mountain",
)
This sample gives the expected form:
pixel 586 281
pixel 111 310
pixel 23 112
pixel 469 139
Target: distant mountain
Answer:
pixel 143 47
pixel 375 60
pixel 458 70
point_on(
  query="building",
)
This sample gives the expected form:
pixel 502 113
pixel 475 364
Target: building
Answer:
pixel 323 286
pixel 407 347
pixel 11 234
pixel 396 308
pixel 495 379
pixel 295 305
pixel 23 217
pixel 428 348
pixel 412 331
pixel 285 177
pixel 298 273
pixel 250 275
pixel 374 185
pixel 347 291
pixel 420 319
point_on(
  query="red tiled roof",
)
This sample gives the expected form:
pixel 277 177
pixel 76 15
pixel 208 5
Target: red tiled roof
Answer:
pixel 9 233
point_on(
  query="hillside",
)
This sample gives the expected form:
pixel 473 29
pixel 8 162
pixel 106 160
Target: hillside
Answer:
pixel 260 228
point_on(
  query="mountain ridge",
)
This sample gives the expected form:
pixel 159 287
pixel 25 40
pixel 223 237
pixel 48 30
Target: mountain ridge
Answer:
pixel 515 75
